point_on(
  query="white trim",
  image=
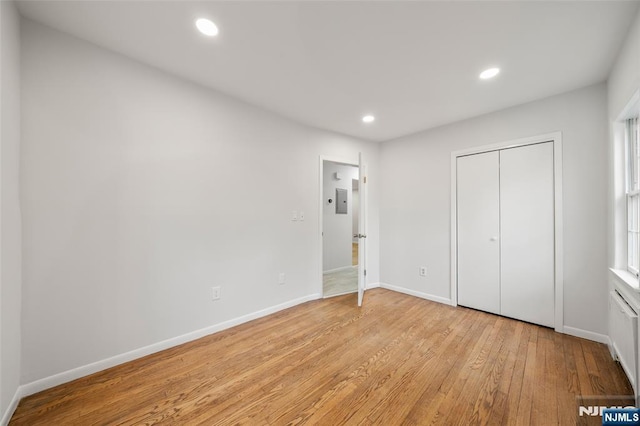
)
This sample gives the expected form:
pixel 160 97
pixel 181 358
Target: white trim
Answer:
pixel 559 241
pixel 585 334
pixel 453 226
pixel 85 370
pixel 628 280
pixel 363 190
pixel 556 139
pixel 631 109
pixel 618 177
pixel 373 285
pixel 76 373
pixel 419 294
pixel 12 406
pixel 547 137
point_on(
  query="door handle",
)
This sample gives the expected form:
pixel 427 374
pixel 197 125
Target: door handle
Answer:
pixel 493 239
pixel 361 236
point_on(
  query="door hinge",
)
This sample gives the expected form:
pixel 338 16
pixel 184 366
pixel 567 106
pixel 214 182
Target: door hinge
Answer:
pixel 365 272
pixel 364 179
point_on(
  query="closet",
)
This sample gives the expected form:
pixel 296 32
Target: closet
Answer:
pixel 505 232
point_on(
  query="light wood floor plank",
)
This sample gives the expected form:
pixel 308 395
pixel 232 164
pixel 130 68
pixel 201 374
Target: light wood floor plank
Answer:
pixel 397 360
pixel 449 362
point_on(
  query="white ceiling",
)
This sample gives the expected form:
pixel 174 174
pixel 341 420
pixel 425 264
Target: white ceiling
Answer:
pixel 414 65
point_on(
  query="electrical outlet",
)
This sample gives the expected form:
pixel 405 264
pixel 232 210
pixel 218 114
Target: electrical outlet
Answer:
pixel 281 278
pixel 301 215
pixel 294 215
pixel 423 271
pixel 215 293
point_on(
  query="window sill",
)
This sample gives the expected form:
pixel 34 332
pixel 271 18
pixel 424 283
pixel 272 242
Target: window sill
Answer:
pixel 627 278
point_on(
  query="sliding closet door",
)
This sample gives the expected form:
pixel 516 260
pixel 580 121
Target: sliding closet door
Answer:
pixel 478 222
pixel 527 233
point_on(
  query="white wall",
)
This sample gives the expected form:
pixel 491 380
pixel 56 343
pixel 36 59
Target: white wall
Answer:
pixel 10 227
pixel 415 198
pixel 623 82
pixel 338 228
pixel 141 191
pixel 624 78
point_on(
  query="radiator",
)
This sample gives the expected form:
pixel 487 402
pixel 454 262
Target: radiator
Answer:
pixel 623 331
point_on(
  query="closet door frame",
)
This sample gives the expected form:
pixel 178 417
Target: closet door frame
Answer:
pixel 556 139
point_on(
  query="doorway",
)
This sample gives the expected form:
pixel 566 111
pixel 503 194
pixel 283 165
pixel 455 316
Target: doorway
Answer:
pixel 340 224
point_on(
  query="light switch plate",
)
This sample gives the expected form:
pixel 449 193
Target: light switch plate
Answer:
pixel 215 293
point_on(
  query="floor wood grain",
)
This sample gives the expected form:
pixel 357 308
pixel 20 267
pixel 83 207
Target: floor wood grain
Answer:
pixel 354 254
pixel 397 360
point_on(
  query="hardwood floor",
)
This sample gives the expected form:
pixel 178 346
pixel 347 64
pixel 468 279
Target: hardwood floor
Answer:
pixel 354 254
pixel 340 282
pixel 397 360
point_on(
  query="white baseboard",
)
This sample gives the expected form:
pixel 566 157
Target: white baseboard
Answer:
pixel 12 407
pixel 342 268
pixel 85 370
pixel 373 285
pixel 415 293
pixel 76 373
pixel 589 335
pixel 572 331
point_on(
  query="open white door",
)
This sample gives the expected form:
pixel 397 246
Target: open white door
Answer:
pixel 362 232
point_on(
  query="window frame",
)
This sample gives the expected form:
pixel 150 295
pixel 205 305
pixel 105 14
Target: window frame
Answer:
pixel 632 192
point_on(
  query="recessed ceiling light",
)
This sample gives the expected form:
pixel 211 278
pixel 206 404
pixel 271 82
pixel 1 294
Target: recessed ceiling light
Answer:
pixel 368 119
pixel 490 73
pixel 207 27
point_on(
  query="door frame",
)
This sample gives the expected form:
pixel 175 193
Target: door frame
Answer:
pixel 556 139
pixel 323 158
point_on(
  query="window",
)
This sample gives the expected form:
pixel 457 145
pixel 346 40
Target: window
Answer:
pixel 633 195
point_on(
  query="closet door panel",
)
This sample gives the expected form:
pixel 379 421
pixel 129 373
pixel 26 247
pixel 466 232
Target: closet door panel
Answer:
pixel 478 224
pixel 527 233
